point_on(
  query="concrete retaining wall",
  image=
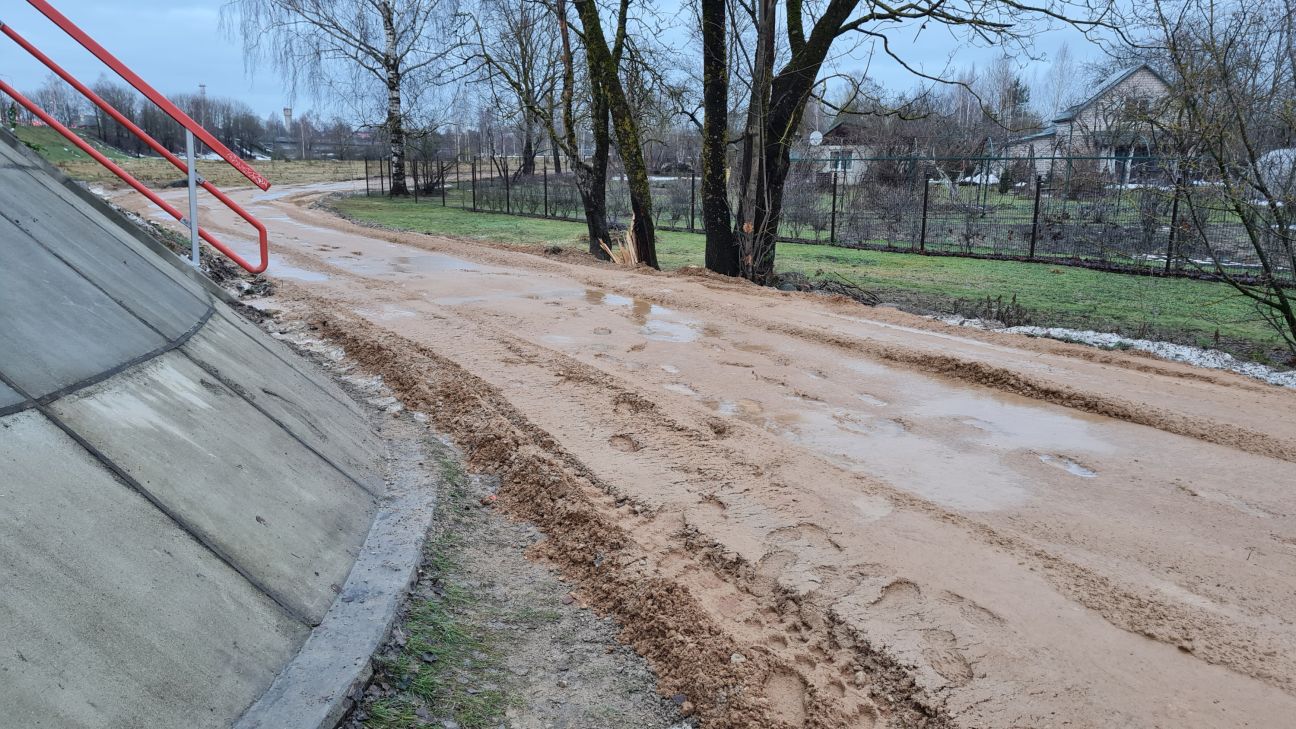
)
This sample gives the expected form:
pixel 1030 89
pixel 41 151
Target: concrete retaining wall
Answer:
pixel 181 497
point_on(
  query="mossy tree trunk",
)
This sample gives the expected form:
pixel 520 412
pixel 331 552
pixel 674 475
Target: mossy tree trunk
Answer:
pixel 604 70
pixel 717 217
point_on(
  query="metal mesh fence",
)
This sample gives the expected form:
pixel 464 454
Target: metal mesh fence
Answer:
pixel 1117 213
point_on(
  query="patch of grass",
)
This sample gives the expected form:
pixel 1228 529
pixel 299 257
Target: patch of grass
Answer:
pixel 1182 310
pixel 449 657
pixel 52 146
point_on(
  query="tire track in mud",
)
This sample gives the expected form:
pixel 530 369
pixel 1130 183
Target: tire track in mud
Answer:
pixel 1210 638
pixel 728 682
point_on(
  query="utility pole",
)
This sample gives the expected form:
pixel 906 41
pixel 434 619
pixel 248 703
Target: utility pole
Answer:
pixel 287 112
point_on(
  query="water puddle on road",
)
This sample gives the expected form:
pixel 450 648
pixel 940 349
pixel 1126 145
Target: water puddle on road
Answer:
pixel 423 263
pixel 657 323
pixel 1068 465
pixel 962 449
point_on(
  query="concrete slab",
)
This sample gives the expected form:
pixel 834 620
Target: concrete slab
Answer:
pixel 8 397
pixel 54 329
pixel 284 517
pixel 316 688
pixel 286 354
pixel 288 394
pixel 100 251
pixel 110 615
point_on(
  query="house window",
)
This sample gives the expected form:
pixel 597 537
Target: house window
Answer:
pixel 842 161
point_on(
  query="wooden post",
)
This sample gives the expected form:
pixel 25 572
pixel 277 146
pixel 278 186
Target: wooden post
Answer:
pixel 474 185
pixel 366 177
pixel 544 176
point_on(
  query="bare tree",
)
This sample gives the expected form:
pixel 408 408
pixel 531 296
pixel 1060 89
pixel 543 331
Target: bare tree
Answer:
pixel 519 41
pixel 780 89
pixel 353 44
pixel 1232 120
pixel 590 171
pixel 604 66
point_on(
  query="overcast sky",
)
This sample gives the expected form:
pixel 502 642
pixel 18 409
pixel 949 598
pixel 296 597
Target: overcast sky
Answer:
pixel 177 44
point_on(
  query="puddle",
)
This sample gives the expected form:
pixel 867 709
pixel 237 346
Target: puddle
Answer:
pixel 870 400
pixel 1008 424
pixel 421 263
pixel 671 369
pixel 747 408
pixel 662 330
pixel 657 323
pixel 506 296
pixel 297 274
pixel 681 388
pixel 1068 465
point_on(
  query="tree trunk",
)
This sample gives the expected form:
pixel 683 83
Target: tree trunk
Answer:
pixel 591 175
pixel 717 217
pixel 603 66
pixel 750 235
pixel 527 166
pixel 557 160
pixel 395 119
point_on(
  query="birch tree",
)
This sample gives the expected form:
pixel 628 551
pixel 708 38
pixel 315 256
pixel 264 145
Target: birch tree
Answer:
pixel 361 47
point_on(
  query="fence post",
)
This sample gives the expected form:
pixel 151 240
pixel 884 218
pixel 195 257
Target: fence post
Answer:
pixel 692 199
pixel 1039 183
pixel 382 180
pixel 832 219
pixel 508 202
pixel 413 168
pixel 474 185
pixel 922 233
pixel 1174 225
pixel 366 176
pixel 544 176
pixel 442 171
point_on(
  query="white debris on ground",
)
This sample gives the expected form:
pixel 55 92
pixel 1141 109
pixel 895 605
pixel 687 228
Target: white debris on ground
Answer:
pixel 1197 356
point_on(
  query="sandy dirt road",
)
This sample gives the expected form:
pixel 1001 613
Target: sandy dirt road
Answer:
pixel 810 513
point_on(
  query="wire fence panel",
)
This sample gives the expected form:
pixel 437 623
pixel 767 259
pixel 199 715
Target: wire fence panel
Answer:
pixel 1116 213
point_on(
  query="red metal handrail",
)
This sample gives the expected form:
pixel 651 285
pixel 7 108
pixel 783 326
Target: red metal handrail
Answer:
pixel 163 103
pixel 126 177
pixel 152 94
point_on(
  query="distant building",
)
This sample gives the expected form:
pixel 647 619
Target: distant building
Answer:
pixel 1111 125
pixel 846 149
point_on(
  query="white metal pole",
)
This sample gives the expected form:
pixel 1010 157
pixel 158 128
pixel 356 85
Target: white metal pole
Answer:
pixel 193 198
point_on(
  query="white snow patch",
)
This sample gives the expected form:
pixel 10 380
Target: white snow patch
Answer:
pixel 1196 356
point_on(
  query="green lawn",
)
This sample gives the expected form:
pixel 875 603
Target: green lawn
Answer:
pixel 1182 310
pixel 56 149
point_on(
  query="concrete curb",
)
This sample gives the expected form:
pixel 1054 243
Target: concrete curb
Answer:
pixel 318 687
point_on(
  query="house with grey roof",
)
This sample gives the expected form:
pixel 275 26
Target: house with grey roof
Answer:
pixel 1110 128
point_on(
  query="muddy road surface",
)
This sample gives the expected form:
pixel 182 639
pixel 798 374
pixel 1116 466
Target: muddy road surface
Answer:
pixel 805 512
